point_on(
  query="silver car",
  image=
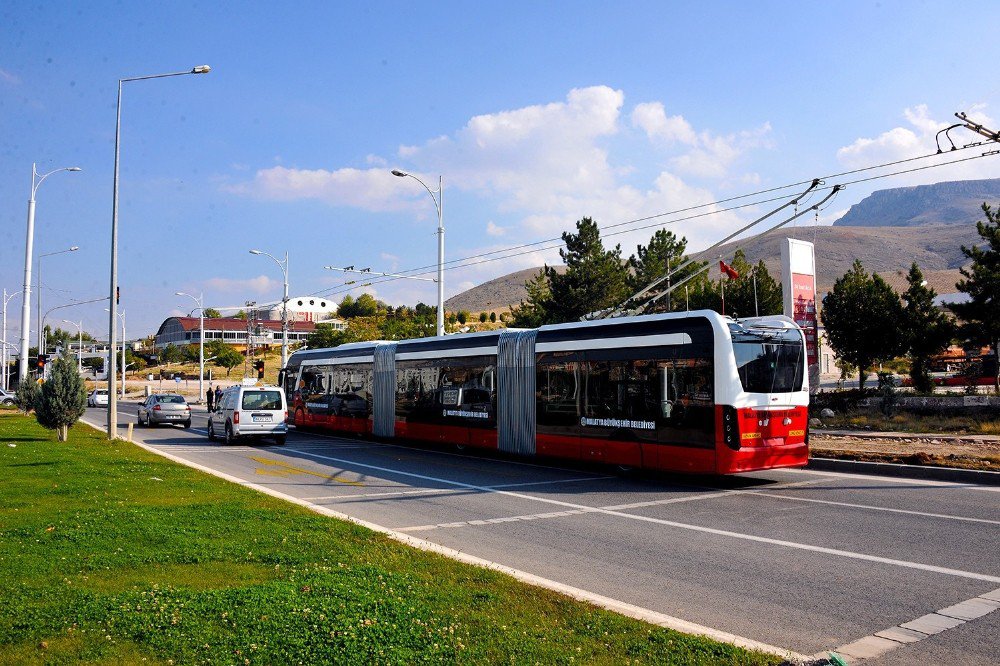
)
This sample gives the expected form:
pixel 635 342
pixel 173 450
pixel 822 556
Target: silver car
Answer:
pixel 165 408
pixel 6 397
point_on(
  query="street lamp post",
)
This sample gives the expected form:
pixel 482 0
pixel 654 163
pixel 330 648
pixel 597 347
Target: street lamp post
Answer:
pixel 38 295
pixel 112 298
pixel 438 205
pixel 3 353
pixel 283 265
pixel 79 349
pixel 22 371
pixel 201 341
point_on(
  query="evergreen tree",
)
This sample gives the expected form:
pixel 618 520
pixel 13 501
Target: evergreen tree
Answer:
pixel 863 319
pixel 63 398
pixel 928 329
pixel 981 314
pixel 595 278
pixel 754 292
pixel 533 312
pixel 26 396
pixel 651 262
pixel 171 354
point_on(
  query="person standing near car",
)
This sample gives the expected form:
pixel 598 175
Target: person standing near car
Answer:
pixel 210 398
pixel 218 396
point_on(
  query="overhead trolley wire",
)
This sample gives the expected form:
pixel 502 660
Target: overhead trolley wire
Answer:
pixel 514 251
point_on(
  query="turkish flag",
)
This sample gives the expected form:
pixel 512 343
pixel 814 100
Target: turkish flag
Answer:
pixel 728 270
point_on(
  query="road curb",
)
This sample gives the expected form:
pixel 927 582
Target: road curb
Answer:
pixel 926 472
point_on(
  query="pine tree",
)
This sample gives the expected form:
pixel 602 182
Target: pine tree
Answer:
pixel 981 314
pixel 664 253
pixel 928 329
pixel 533 312
pixel 595 278
pixel 63 398
pixel 863 318
pixel 26 396
pixel 754 292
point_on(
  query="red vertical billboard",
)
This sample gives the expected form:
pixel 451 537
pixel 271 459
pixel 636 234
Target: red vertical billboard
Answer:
pixel 798 281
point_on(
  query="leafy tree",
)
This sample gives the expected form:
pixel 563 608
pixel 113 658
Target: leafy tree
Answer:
pixel 364 306
pixel 242 314
pixel 929 330
pixel 136 363
pixel 171 354
pixel 27 395
pixel 190 353
pixel 63 398
pixel 981 314
pixel 863 318
pixel 323 336
pixel 362 329
pixel 228 358
pixel 212 313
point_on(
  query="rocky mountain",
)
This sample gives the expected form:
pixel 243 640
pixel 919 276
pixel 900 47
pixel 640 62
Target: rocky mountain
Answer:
pixel 955 202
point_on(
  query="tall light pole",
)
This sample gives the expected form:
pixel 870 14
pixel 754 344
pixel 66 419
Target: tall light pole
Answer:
pixel 38 288
pixel 79 350
pixel 113 294
pixel 439 205
pixel 22 371
pixel 111 351
pixel 3 353
pixel 201 340
pixel 283 265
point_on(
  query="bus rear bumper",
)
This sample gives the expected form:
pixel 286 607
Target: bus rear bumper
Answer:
pixel 751 458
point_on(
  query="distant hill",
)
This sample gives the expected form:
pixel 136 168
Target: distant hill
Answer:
pixel 957 202
pixel 886 250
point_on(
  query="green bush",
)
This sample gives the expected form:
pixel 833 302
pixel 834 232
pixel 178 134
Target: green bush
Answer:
pixel 26 396
pixel 63 398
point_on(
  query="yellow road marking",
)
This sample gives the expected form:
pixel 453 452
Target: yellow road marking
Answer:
pixel 282 469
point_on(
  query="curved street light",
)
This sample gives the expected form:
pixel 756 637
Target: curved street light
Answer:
pixel 79 350
pixel 283 265
pixel 200 300
pixel 113 297
pixel 22 371
pixel 38 290
pixel 438 199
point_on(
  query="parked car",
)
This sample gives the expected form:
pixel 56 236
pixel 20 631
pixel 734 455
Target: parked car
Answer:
pixel 165 408
pixel 6 397
pixel 98 398
pixel 250 411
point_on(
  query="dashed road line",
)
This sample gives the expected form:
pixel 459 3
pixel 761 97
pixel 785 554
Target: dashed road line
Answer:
pixel 922 627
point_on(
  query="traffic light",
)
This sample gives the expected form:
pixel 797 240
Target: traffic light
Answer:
pixel 260 369
pixel 42 360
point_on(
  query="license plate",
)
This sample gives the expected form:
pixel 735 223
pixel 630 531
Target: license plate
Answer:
pixel 262 419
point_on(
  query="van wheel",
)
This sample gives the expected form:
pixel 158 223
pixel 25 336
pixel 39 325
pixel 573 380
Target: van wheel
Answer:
pixel 211 432
pixel 187 424
pixel 280 440
pixel 230 439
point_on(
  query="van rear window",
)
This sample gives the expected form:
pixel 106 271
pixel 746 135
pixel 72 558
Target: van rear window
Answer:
pixel 262 400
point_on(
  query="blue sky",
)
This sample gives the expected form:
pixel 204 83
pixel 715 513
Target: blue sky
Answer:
pixel 536 114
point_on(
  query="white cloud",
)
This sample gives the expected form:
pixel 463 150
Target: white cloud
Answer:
pixel 261 284
pixel 917 139
pixel 368 189
pixel 652 118
pixel 7 77
pixel 494 230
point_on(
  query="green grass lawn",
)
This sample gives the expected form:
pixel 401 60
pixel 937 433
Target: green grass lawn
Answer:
pixel 109 554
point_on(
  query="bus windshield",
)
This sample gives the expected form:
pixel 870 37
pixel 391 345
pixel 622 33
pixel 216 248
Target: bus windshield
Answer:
pixel 769 360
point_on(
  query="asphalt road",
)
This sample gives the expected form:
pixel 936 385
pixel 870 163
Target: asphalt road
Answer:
pixel 799 560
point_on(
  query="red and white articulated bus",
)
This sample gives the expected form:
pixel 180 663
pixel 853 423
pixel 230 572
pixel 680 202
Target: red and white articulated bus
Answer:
pixel 692 391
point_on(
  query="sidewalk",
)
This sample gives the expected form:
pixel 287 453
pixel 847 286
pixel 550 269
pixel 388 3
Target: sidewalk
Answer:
pixel 875 434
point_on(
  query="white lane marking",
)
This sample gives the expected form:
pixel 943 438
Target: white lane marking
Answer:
pixel 894 479
pixel 552 482
pixel 422 491
pixel 693 498
pixel 922 627
pixel 874 508
pixel 620 607
pixel 685 526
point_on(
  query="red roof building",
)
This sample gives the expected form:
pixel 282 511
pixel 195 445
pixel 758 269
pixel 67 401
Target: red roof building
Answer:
pixel 179 331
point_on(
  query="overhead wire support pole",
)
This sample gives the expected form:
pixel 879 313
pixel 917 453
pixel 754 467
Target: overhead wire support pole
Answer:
pixel 816 206
pixel 621 309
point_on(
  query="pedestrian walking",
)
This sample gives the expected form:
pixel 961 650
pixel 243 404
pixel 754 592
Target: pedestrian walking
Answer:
pixel 210 398
pixel 218 396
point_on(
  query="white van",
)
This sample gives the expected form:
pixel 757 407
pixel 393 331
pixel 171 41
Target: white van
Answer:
pixel 250 411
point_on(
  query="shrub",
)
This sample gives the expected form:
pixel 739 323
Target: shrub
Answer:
pixel 26 396
pixel 63 398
